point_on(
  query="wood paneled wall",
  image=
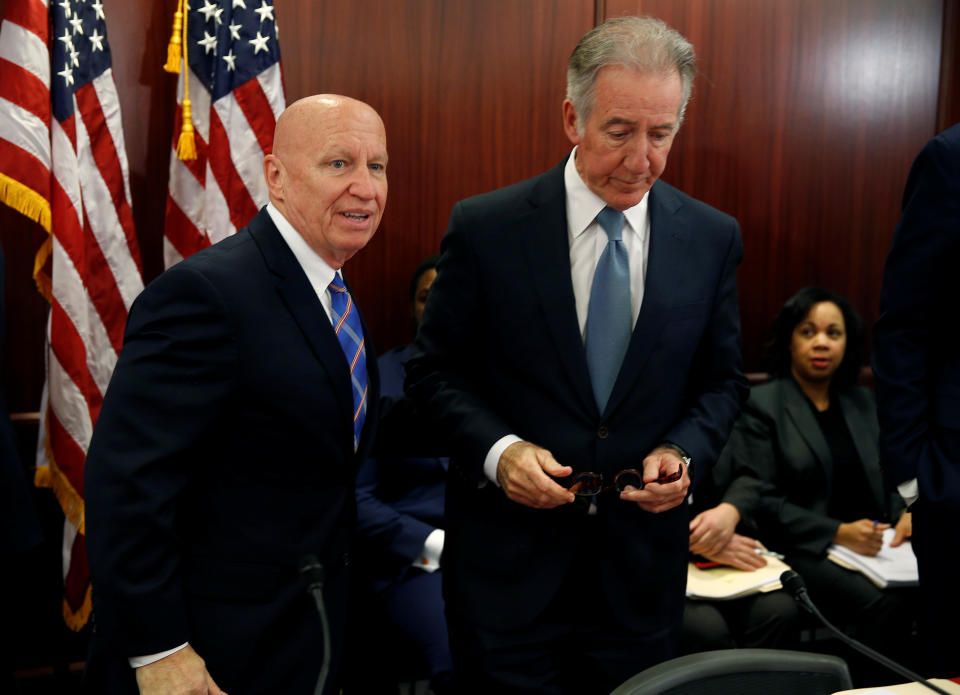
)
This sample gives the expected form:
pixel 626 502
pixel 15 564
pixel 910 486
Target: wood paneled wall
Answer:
pixel 806 116
pixel 470 94
pixel 805 119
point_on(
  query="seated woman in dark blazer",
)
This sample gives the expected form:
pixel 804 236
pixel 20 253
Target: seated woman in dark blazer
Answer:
pixel 811 436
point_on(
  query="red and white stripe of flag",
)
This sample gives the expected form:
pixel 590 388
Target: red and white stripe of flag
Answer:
pixel 89 268
pixel 209 198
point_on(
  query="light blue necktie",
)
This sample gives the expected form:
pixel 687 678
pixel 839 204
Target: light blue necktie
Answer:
pixel 349 330
pixel 609 317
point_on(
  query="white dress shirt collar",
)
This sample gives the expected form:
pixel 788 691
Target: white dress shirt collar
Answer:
pixel 316 269
pixel 583 205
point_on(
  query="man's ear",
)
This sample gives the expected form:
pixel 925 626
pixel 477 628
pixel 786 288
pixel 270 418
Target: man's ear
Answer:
pixel 570 122
pixel 274 174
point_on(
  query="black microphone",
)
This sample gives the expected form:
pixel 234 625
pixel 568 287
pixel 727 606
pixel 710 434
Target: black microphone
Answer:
pixel 312 575
pixel 795 586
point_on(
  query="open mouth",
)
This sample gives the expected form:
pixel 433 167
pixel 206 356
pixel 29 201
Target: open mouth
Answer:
pixel 356 216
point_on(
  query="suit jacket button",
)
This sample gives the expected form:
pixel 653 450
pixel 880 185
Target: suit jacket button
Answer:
pixel 603 432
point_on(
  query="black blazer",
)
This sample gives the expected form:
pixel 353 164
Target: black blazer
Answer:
pixel 502 353
pixel 223 454
pixel 778 441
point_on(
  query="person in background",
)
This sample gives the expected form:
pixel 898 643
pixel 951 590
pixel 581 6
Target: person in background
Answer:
pixel 723 531
pixel 916 364
pixel 393 362
pixel 811 434
pixel 583 323
pixel 400 510
pixel 229 438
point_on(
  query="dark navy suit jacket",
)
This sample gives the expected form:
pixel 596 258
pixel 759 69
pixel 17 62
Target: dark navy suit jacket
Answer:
pixel 502 353
pixel 223 454
pixel 916 360
pixel 916 364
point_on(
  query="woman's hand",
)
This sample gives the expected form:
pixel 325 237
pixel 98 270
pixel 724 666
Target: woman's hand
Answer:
pixel 741 552
pixel 862 536
pixel 903 530
pixel 712 529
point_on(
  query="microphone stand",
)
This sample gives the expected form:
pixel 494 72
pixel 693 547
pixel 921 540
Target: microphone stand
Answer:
pixel 312 574
pixel 794 584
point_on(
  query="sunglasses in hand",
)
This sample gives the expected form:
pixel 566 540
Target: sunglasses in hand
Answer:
pixel 588 484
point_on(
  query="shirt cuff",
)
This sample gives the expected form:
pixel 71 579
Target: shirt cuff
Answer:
pixel 429 560
pixel 909 491
pixel 492 460
pixel 138 661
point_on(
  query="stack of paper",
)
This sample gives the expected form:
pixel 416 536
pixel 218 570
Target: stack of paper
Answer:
pixel 729 582
pixel 890 567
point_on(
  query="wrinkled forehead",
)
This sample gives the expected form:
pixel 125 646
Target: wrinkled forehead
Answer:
pixel 348 139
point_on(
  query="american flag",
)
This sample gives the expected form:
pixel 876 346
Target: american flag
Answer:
pixel 63 163
pixel 236 90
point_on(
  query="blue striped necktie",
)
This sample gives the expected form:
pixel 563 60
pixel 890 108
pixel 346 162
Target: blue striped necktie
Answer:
pixel 609 318
pixel 347 326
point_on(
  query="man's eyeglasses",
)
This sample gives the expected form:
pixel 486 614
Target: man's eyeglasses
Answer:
pixel 588 484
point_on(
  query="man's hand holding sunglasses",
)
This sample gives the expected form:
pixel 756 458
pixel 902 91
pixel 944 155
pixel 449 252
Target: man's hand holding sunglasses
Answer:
pixel 662 464
pixel 524 472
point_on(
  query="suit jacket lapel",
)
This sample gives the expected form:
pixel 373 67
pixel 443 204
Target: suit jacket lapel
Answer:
pixel 798 410
pixel 669 235
pixel 301 300
pixel 865 443
pixel 547 251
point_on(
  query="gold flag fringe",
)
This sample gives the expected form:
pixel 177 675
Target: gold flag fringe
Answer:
pixel 43 280
pixel 52 477
pixel 25 200
pixel 73 509
pixel 28 202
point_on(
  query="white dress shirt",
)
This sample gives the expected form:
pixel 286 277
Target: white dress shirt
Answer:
pixel 587 242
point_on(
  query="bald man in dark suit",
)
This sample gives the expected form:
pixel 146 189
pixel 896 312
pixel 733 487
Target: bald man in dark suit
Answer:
pixel 239 410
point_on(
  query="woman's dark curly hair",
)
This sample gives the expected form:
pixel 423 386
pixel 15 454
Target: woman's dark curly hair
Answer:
pixel 794 311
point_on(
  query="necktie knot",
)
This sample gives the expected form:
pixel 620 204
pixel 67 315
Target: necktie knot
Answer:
pixel 336 285
pixel 612 222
